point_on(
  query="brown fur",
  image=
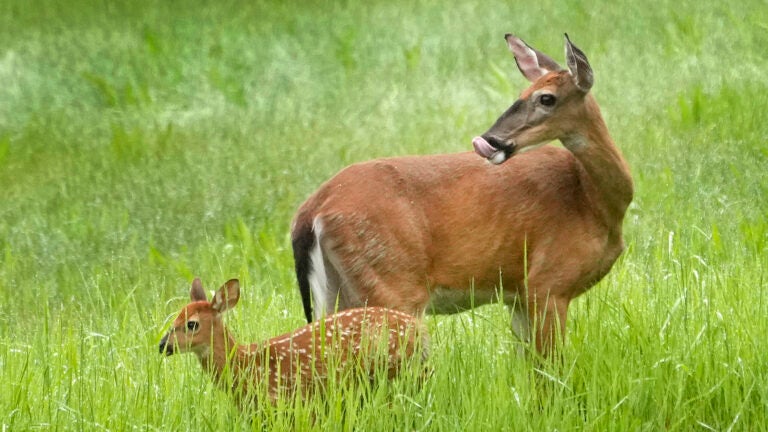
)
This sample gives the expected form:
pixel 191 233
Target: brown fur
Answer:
pixel 546 224
pixel 347 342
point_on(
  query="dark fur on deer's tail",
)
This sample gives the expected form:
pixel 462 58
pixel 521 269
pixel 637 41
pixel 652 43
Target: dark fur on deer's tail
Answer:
pixel 302 240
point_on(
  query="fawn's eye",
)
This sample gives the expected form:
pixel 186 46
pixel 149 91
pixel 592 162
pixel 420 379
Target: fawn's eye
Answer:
pixel 193 325
pixel 547 99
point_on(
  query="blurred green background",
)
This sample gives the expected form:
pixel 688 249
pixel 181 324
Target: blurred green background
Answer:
pixel 144 143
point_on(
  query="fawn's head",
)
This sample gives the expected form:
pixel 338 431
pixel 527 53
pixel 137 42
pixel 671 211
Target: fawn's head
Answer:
pixel 553 107
pixel 200 322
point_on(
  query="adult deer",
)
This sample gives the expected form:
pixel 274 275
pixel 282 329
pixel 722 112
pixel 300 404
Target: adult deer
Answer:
pixel 441 233
pixel 366 340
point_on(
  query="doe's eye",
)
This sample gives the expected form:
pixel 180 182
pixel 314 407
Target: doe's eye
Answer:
pixel 193 325
pixel 547 99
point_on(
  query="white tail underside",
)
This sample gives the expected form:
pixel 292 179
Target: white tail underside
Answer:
pixel 318 278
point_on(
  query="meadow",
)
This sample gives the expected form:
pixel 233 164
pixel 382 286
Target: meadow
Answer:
pixel 145 143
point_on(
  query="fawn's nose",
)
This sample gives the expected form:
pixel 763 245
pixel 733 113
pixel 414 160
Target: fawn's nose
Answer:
pixel 165 348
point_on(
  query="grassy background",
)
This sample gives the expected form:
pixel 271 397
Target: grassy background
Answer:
pixel 143 143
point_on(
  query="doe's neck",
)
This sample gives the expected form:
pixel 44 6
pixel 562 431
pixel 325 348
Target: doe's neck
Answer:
pixel 605 168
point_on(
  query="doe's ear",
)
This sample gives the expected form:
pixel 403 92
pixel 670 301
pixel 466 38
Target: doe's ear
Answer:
pixel 197 293
pixel 227 296
pixel 579 66
pixel 532 63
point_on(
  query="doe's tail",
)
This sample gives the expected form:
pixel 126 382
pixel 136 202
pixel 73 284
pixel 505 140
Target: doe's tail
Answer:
pixel 302 240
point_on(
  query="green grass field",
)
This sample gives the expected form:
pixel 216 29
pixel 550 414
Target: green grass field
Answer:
pixel 144 143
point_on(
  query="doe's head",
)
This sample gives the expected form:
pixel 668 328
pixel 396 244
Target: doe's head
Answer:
pixel 200 322
pixel 551 108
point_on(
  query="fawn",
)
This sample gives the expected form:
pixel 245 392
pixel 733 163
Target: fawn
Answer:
pixel 353 341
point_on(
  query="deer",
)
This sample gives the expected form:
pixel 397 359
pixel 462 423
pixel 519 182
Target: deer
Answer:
pixel 373 341
pixel 526 224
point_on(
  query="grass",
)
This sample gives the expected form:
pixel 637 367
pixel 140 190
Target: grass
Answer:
pixel 143 143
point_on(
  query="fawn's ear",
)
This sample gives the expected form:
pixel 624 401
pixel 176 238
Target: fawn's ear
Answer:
pixel 197 293
pixel 227 296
